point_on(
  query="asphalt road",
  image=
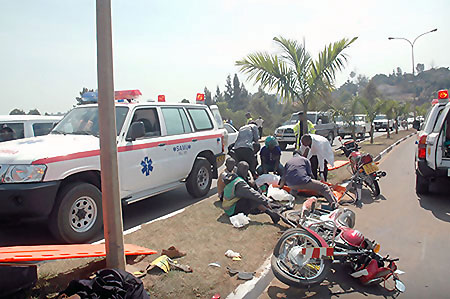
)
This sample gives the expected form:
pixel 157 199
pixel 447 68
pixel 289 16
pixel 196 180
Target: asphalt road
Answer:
pixel 411 227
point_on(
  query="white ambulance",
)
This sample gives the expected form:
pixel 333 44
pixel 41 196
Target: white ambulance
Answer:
pixel 160 146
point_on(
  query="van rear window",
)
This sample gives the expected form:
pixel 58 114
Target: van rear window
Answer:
pixel 200 118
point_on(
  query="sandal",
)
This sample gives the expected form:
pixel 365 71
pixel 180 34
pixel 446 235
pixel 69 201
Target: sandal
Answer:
pixel 173 252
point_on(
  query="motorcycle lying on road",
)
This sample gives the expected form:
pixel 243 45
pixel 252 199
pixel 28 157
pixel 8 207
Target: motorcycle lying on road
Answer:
pixel 364 169
pixel 303 255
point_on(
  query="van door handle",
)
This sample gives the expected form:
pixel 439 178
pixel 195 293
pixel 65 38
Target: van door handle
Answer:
pixel 194 140
pixel 162 144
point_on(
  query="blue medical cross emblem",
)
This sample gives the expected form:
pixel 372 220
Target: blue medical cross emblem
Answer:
pixel 146 166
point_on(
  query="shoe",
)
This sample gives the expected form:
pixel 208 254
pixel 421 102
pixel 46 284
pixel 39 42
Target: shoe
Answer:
pixel 172 252
pixel 274 216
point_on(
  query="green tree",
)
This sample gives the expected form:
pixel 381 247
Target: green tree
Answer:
pixel 228 93
pixel 389 109
pixel 295 75
pixel 372 109
pixel 420 68
pixel 34 112
pixel 218 97
pixel 184 101
pixel 81 94
pixel 208 98
pixel 17 112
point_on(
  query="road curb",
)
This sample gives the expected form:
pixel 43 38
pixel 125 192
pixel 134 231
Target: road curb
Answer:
pixel 388 149
pixel 255 287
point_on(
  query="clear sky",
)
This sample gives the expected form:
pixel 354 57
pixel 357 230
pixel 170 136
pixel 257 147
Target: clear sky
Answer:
pixel 176 48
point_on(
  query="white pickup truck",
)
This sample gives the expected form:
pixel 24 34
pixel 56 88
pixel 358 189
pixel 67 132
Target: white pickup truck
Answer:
pixel 160 146
pixel 433 145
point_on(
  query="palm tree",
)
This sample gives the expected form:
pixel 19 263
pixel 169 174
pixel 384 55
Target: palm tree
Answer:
pixel 372 110
pixel 294 74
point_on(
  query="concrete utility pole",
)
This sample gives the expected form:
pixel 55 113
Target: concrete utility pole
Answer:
pixel 112 208
pixel 412 45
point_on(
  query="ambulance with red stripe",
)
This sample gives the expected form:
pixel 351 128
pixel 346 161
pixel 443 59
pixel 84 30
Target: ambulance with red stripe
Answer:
pixel 160 146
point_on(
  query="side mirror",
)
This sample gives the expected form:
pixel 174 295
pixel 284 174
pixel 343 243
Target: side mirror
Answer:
pixel 137 130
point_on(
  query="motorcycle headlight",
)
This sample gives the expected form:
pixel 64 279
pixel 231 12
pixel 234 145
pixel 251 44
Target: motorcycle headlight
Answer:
pixel 24 174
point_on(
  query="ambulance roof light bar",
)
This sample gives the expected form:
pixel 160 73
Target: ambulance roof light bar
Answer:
pixel 120 96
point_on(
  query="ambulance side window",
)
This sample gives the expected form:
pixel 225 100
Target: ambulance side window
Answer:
pixel 200 118
pixel 149 117
pixel 176 121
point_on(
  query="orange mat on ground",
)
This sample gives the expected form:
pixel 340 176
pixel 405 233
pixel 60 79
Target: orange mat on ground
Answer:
pixel 55 252
pixel 338 190
pixel 338 164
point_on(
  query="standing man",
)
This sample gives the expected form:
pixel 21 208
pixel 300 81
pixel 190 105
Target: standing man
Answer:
pixel 259 122
pixel 244 147
pixel 298 174
pixel 298 129
pixel 249 117
pixel 318 150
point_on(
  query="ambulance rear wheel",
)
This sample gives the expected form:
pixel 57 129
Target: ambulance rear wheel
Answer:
pixel 77 215
pixel 199 180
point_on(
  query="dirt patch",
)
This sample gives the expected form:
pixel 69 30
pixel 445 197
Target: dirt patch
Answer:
pixel 205 233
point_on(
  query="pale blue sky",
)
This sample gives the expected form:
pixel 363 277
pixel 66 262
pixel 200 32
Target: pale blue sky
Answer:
pixel 176 48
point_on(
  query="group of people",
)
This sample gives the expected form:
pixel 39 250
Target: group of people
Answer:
pixel 305 170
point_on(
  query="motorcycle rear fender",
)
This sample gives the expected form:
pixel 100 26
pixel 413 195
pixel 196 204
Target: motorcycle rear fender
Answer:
pixel 323 243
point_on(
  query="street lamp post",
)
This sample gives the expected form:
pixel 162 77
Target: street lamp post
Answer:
pixel 412 44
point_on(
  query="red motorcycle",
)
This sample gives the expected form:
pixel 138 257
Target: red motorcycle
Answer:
pixel 364 169
pixel 303 255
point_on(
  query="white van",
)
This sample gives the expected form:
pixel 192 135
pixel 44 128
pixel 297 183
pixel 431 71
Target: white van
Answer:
pixel 23 126
pixel 57 176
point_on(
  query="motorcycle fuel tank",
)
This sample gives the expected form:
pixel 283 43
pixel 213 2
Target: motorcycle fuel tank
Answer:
pixel 352 237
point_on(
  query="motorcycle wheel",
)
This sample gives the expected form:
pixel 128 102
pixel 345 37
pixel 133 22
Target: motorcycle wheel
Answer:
pixel 373 185
pixel 288 265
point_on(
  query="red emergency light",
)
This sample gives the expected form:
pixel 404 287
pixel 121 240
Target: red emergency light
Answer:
pixel 434 101
pixel 200 97
pixel 161 98
pixel 443 94
pixel 127 94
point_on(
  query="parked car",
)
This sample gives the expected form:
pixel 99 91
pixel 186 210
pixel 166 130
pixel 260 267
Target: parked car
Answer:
pixel 382 123
pixel 432 159
pixel 160 147
pixel 232 134
pixel 361 126
pixel 322 123
pixel 24 126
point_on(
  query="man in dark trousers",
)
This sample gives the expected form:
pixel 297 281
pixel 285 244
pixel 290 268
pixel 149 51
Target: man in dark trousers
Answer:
pixel 297 175
pixel 244 147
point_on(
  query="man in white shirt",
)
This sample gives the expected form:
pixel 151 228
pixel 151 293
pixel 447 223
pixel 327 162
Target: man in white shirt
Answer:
pixel 259 122
pixel 318 150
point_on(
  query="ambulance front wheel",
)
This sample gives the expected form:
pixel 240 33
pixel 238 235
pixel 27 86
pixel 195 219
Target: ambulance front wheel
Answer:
pixel 77 215
pixel 199 180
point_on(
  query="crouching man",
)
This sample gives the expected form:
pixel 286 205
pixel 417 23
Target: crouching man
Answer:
pixel 297 175
pixel 239 197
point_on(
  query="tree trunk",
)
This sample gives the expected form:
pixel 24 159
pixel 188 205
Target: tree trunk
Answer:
pixel 388 129
pixel 304 119
pixel 371 133
pixel 396 126
pixel 353 130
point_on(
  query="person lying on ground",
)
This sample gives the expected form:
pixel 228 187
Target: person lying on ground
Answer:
pixel 239 197
pixel 230 165
pixel 270 157
pixel 298 175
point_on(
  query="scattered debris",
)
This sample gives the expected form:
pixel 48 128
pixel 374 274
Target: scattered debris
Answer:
pixel 241 274
pixel 216 264
pixel 231 254
pixel 216 296
pixel 173 252
pixel 239 220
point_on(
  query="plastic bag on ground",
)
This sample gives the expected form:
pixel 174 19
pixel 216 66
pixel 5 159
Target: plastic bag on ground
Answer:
pixel 268 178
pixel 279 194
pixel 239 220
